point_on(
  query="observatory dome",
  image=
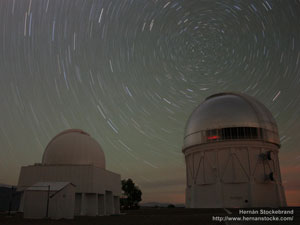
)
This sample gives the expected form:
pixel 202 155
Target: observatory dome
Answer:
pixel 234 115
pixel 74 147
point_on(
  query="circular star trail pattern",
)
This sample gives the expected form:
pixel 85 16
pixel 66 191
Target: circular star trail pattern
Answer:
pixel 130 73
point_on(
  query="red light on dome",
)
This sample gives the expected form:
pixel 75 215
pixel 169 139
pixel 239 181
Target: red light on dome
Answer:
pixel 213 137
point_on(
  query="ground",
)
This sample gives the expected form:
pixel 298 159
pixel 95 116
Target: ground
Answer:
pixel 149 216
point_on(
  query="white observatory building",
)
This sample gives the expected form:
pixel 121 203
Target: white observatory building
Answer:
pixel 231 147
pixel 73 156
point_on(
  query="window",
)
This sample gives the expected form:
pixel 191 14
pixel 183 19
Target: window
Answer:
pixel 230 133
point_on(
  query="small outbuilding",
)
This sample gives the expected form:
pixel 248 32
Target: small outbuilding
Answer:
pixel 55 200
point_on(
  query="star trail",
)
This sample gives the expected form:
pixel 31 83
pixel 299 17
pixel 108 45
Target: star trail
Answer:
pixel 130 72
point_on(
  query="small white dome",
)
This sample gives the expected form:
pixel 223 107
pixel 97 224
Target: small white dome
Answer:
pixel 74 147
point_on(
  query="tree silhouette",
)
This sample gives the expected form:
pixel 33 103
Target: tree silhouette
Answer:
pixel 132 195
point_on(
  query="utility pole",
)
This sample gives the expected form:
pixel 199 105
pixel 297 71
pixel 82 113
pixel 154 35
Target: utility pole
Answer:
pixel 48 196
pixel 11 199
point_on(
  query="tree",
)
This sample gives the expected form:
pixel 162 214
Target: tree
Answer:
pixel 132 195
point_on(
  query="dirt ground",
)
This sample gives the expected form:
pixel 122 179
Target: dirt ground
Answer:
pixel 149 216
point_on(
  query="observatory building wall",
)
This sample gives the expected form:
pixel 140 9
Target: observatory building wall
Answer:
pixel 235 174
pixel 87 178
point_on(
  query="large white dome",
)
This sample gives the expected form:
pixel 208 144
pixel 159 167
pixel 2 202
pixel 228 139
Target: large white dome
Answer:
pixel 74 147
pixel 229 110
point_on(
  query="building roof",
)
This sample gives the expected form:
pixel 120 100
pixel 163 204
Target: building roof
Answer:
pixel 43 186
pixel 225 110
pixel 74 147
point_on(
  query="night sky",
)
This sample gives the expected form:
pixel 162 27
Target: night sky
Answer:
pixel 130 73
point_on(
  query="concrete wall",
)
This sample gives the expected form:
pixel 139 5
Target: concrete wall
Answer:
pixel 109 203
pixel 91 204
pixel 77 208
pixel 101 205
pixel 106 180
pixel 233 174
pixel 81 176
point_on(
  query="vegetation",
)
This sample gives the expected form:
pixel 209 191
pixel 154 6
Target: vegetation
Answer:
pixel 131 195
